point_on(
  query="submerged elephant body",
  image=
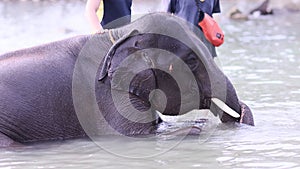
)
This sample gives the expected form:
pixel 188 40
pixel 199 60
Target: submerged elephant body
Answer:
pixel 39 86
pixel 36 92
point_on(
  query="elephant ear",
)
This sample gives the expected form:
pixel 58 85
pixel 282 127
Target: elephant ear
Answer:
pixel 107 59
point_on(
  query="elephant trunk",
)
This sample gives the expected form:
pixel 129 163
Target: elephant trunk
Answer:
pixel 230 108
pixel 246 114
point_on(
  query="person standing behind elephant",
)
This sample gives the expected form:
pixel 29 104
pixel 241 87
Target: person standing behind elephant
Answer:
pixel 112 10
pixel 193 11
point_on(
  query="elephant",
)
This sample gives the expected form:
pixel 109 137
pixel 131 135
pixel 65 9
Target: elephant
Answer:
pixel 245 8
pixel 112 83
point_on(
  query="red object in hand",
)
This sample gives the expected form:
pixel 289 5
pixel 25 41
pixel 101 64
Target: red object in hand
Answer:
pixel 212 30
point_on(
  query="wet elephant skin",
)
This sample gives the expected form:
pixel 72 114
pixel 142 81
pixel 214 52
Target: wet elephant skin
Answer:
pixel 36 101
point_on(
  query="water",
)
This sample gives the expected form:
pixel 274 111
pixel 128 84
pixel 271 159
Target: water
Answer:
pixel 260 56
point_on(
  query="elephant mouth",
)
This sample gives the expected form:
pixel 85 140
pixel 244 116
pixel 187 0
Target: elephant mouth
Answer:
pixel 185 106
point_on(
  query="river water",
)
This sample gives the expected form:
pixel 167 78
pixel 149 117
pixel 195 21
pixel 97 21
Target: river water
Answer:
pixel 260 56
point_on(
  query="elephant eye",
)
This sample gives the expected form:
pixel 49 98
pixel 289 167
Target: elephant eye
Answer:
pixel 192 61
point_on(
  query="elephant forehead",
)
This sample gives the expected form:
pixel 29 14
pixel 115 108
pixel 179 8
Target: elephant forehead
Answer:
pixel 136 47
pixel 146 51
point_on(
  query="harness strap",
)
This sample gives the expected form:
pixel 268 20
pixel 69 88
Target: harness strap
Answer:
pixel 111 38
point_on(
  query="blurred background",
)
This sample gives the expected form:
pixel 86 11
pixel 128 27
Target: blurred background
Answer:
pixel 260 56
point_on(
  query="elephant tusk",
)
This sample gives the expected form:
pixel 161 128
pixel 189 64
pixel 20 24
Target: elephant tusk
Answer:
pixel 225 108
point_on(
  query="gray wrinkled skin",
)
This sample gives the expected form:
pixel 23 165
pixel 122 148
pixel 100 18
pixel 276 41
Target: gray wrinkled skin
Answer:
pixel 37 102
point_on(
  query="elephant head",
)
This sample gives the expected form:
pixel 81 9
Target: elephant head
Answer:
pixel 162 73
